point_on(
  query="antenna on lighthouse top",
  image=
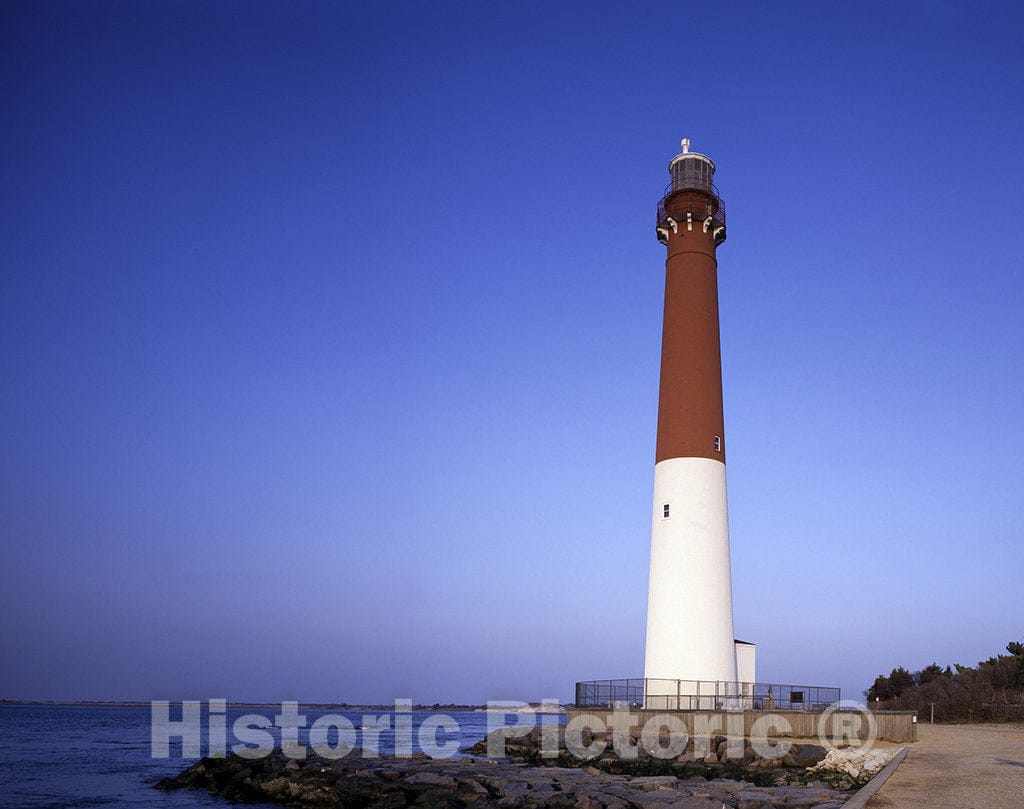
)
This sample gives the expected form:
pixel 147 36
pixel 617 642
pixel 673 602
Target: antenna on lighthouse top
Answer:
pixel 686 145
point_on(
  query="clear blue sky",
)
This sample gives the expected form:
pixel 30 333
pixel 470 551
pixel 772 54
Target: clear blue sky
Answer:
pixel 330 339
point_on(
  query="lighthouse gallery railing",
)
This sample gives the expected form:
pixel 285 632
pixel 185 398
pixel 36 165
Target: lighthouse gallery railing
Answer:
pixel 682 197
pixel 703 695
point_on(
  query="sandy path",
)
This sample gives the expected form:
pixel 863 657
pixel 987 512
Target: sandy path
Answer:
pixel 958 767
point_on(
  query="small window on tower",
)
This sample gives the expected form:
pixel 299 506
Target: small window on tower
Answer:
pixel 664 510
pixel 718 443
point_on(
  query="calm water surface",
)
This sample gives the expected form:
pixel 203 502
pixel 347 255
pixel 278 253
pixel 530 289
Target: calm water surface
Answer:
pixel 83 756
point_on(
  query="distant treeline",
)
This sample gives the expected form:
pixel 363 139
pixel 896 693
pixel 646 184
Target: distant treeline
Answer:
pixel 991 692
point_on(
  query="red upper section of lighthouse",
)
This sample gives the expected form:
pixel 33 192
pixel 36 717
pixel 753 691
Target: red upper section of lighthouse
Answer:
pixel 691 222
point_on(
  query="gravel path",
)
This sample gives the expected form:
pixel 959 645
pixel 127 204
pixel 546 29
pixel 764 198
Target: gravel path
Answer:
pixel 958 767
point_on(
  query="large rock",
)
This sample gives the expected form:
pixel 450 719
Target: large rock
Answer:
pixel 651 782
pixel 807 755
pixel 429 779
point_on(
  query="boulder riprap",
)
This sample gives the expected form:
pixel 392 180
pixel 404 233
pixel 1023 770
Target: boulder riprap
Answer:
pixel 711 757
pixel 857 765
pixel 355 782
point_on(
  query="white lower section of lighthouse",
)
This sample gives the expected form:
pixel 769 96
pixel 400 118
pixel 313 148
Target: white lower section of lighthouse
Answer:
pixel 689 610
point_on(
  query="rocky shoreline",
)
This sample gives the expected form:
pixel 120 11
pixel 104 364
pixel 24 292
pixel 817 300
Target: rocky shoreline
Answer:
pixel 711 757
pixel 710 774
pixel 424 783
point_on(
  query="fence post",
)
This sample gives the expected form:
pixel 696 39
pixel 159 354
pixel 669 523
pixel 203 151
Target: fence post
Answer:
pixel 933 713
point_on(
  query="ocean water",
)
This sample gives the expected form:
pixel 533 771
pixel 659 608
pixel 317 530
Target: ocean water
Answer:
pixel 91 756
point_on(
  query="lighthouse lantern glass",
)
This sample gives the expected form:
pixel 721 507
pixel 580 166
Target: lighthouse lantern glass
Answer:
pixel 691 172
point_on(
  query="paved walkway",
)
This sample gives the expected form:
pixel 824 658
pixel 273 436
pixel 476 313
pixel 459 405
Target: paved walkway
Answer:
pixel 958 767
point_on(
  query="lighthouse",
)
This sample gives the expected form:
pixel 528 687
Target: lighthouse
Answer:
pixel 691 651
